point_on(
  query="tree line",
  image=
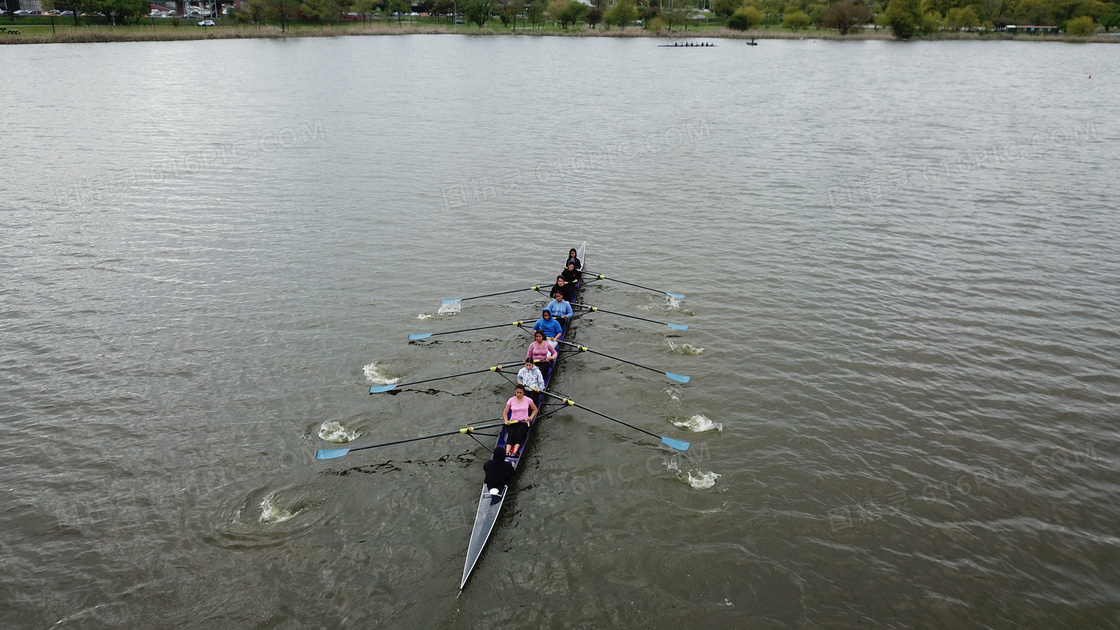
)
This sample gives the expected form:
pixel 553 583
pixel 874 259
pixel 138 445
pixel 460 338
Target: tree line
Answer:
pixel 905 18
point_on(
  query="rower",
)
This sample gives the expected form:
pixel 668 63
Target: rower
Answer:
pixel 530 376
pixel 571 275
pixel 561 310
pixel 542 353
pixel 550 327
pixel 520 411
pixel 498 471
pixel 573 257
pixel 562 286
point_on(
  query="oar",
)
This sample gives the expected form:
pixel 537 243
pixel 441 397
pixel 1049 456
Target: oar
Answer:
pixel 677 444
pixel 381 389
pixel 600 276
pixel 599 310
pixel 339 452
pixel 415 336
pixel 680 378
pixel 475 297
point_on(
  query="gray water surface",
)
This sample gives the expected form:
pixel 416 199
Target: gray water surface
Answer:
pixel 900 262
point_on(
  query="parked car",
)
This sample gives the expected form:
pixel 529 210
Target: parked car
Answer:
pixel 206 23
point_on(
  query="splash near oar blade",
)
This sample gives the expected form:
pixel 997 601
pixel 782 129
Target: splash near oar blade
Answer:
pixel 331 453
pixel 675 296
pixel 680 378
pixel 677 444
pixel 450 302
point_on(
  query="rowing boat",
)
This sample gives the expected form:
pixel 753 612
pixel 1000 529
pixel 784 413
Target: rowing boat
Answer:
pixel 490 505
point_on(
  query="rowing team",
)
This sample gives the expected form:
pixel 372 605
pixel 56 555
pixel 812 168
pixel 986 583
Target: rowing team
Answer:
pixel 520 410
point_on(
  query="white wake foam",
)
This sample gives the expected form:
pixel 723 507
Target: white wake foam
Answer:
pixel 425 316
pixel 334 432
pixel 686 349
pixel 375 374
pixel 272 512
pixel 450 309
pixel 698 424
pixel 703 479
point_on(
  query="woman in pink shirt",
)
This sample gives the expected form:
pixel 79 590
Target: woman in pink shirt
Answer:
pixel 519 413
pixel 542 353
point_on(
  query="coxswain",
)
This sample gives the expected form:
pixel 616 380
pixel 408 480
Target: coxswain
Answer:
pixel 498 471
pixel 561 310
pixel 519 413
pixel 573 258
pixel 550 327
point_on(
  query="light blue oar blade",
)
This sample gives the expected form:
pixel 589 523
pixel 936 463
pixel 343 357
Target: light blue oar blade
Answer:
pixel 678 326
pixel 455 301
pixel 331 453
pixel 381 389
pixel 677 444
pixel 415 336
pixel 680 378
pixel 675 296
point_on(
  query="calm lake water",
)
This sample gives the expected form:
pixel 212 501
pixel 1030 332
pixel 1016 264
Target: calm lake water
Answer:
pixel 900 262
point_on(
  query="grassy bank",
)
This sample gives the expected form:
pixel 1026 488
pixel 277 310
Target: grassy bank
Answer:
pixel 162 30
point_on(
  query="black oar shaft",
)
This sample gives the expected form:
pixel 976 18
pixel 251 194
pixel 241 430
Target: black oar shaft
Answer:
pixel 428 437
pixel 569 401
pixel 477 297
pixel 602 277
pixel 596 309
pixel 496 368
pixel 604 354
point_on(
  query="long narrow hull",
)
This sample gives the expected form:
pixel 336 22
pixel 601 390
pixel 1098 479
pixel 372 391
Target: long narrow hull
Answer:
pixel 490 505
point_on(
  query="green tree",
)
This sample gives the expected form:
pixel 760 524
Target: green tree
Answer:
pixel 1082 26
pixel 594 16
pixel 724 8
pixel 323 10
pixel 623 12
pixel 931 22
pixel 444 7
pixel 958 18
pixel 255 11
pixel 76 6
pixel 399 7
pixel 904 17
pixel 476 11
pixel 744 19
pixel 535 11
pixel 795 20
pixel 281 11
pixel 366 8
pixel 845 16
pixel 572 13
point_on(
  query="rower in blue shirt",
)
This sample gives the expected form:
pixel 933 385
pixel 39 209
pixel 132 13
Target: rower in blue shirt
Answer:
pixel 561 310
pixel 550 327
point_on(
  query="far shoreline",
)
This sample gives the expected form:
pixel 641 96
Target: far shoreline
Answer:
pixel 143 33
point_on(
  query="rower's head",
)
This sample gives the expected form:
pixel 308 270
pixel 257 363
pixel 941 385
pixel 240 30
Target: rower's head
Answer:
pixel 560 281
pixel 499 453
pixel 546 314
pixel 571 253
pixel 538 337
pixel 519 391
pixel 559 296
pixel 529 364
pixel 572 266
